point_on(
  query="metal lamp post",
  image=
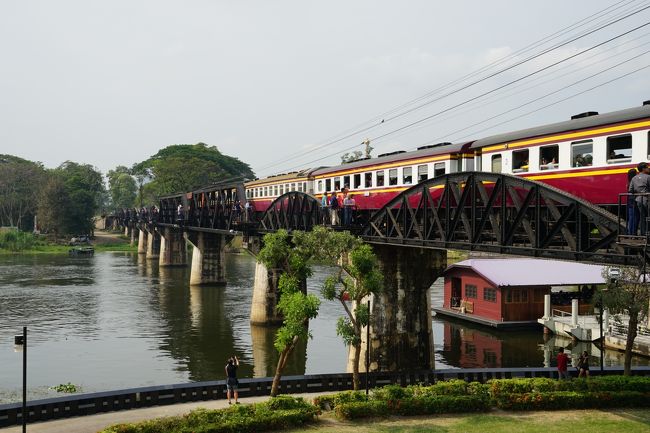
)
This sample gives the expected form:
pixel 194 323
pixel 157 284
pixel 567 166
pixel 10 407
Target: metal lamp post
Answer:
pixel 21 340
pixel 368 351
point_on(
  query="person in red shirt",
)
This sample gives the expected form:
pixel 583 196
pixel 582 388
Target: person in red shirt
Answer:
pixel 562 362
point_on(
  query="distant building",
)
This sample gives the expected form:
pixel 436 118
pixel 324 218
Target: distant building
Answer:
pixel 510 292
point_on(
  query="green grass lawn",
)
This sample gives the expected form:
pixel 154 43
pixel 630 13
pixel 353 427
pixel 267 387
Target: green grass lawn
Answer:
pixel 583 421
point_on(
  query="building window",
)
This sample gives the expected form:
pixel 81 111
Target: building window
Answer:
pixel 356 181
pixel 392 176
pixel 470 291
pixel 582 153
pixel 346 181
pixel 489 358
pixel 520 161
pixel 496 163
pixel 439 169
pixel 407 175
pixel 380 178
pixel 489 294
pixel 619 148
pixel 549 157
pixel 337 184
pixel 423 173
pixel 368 180
pixel 328 185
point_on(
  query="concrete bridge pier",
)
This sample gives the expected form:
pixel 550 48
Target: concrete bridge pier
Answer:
pixel 127 230
pixel 266 294
pixel 208 258
pixel 401 337
pixel 153 245
pixel 142 242
pixel 173 251
pixel 134 233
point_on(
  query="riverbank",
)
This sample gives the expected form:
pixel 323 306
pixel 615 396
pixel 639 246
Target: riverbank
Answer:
pixel 29 244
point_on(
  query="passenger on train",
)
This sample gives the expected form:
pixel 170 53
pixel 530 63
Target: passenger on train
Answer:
pixel 348 209
pixel 632 209
pixel 640 186
pixel 334 210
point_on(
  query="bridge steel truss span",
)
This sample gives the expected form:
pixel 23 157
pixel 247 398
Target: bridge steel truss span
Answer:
pixel 292 211
pixel 499 213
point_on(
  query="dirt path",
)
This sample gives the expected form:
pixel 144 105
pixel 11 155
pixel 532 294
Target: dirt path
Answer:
pixel 103 237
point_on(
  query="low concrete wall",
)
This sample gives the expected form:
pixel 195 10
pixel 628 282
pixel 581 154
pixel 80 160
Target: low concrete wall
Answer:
pixel 90 404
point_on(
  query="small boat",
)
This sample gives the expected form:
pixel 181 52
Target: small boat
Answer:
pixel 81 251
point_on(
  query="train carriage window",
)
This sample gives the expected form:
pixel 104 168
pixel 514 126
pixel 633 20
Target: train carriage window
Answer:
pixel 275 190
pixel 380 178
pixel 320 186
pixel 392 176
pixel 337 184
pixel 293 187
pixel 619 149
pixel 496 163
pixel 346 181
pixel 582 153
pixel 281 189
pixel 266 191
pixel 439 169
pixel 299 186
pixel 648 143
pixel 328 185
pixel 549 157
pixel 356 181
pixel 423 172
pixel 469 164
pixel 519 161
pixel 368 179
pixel 407 175
pixel 304 187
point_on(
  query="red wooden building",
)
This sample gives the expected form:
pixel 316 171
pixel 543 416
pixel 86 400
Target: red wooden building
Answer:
pixel 510 292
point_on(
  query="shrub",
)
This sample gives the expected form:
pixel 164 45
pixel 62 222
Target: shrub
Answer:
pixel 329 402
pixel 14 240
pixel 505 387
pixel 361 409
pixel 573 400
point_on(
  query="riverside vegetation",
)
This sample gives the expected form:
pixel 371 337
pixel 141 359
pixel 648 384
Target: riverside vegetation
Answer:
pixel 454 396
pixel 18 242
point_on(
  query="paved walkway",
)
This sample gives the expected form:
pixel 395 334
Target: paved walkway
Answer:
pixel 96 423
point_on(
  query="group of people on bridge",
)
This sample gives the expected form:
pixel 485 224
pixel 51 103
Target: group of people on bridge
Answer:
pixel 339 209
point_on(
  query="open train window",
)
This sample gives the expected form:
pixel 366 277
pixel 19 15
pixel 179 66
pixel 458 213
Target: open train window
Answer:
pixel 337 184
pixel 275 190
pixel 496 163
pixel 346 181
pixel 649 143
pixel 281 189
pixel 423 173
pixel 549 157
pixel 368 179
pixel 392 176
pixel 300 187
pixel 380 178
pixel 266 191
pixel 407 175
pixel 520 161
pixel 582 153
pixel 328 185
pixel 439 169
pixel 619 149
pixel 356 181
pixel 320 186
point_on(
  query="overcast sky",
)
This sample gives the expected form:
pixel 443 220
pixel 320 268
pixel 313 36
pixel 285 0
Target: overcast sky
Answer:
pixel 111 82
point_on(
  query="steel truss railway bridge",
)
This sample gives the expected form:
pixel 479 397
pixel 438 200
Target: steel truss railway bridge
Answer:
pixel 474 211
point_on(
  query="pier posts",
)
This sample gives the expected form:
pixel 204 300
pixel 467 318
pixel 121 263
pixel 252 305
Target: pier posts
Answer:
pixel 401 337
pixel 208 258
pixel 547 307
pixel 172 248
pixel 142 242
pixel 265 296
pixel 574 312
pixel 153 245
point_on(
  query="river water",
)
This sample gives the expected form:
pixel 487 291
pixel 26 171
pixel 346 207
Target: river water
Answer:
pixel 117 321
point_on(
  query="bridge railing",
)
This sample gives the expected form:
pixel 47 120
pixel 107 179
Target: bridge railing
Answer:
pixel 99 402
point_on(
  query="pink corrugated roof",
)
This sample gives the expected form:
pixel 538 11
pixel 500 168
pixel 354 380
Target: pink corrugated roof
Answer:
pixel 533 272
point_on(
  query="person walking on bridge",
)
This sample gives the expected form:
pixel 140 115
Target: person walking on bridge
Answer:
pixel 640 185
pixel 232 384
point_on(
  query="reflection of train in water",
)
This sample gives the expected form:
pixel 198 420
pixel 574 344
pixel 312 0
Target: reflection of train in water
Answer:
pixel 587 156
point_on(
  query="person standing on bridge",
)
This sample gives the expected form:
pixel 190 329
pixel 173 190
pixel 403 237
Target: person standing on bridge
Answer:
pixel 632 209
pixel 324 205
pixel 334 209
pixel 640 185
pixel 232 384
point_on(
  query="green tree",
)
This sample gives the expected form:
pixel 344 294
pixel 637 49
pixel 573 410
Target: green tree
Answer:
pixel 357 277
pixel 293 254
pixel 184 167
pixel 53 201
pixel 628 294
pixel 121 187
pixel 20 183
pixel 351 157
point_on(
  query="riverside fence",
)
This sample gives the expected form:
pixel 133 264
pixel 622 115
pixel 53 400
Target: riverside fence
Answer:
pixel 134 398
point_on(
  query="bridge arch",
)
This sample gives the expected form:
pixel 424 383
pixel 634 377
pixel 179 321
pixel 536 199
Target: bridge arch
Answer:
pixel 292 211
pixel 499 213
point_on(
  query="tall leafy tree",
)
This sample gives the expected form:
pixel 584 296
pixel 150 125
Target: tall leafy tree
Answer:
pixel 628 295
pixel 122 187
pixel 20 182
pixel 184 167
pixel 293 255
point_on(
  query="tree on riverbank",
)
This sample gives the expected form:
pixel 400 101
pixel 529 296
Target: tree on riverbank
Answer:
pixel 627 294
pixel 184 167
pixel 293 255
pixel 357 278
pixel 20 182
pixel 121 187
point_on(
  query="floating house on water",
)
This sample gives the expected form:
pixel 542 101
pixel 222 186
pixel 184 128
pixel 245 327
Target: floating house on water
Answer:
pixel 510 292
